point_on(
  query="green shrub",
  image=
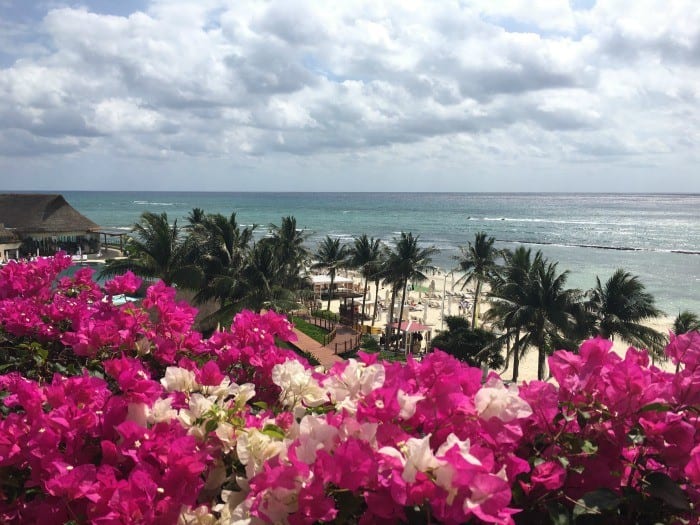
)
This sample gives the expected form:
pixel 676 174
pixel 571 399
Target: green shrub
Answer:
pixel 326 314
pixel 314 332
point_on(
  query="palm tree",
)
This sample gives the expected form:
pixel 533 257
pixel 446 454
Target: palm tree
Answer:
pixel 365 255
pixel 289 249
pixel 158 250
pixel 377 276
pixel 195 217
pixel 407 261
pixel 225 249
pixel 478 262
pixel 262 284
pixel 509 291
pixel 686 322
pixel 331 255
pixel 535 306
pixel 476 347
pixel 619 307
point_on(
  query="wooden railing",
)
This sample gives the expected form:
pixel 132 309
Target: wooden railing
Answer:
pixel 326 324
pixel 328 338
pixel 348 345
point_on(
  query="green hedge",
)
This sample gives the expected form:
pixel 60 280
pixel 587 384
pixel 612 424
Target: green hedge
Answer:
pixel 326 314
pixel 314 332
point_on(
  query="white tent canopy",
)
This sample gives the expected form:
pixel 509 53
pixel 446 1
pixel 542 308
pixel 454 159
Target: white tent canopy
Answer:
pixel 326 279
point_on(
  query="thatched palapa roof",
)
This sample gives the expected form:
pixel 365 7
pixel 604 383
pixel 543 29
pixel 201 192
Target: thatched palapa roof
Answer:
pixel 7 236
pixel 41 213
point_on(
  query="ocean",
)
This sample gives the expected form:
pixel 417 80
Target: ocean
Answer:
pixel 656 237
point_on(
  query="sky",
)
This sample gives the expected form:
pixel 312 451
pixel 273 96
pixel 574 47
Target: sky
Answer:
pixel 378 95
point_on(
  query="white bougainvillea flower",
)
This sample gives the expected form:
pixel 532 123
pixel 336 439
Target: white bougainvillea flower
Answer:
pixel 254 448
pixel 408 402
pixel 162 411
pixel 314 434
pixel 495 399
pixel 179 380
pixel 355 381
pixel 299 388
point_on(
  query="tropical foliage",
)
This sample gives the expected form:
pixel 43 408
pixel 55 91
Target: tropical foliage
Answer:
pixel 476 347
pixel 405 261
pixel 124 414
pixel 219 261
pixel 366 256
pixel 477 262
pixel 157 250
pixel 620 306
pixel 685 322
pixel 226 265
pixel 331 255
pixel 535 307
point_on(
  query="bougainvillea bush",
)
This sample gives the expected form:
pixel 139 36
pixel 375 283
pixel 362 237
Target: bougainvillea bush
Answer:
pixel 124 414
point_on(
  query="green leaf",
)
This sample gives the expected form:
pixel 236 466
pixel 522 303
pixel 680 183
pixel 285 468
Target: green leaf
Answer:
pixel 261 405
pixel 558 513
pixel 273 431
pixel 656 407
pixel 667 490
pixel 596 502
pixel 7 365
pixel 588 447
pixel 211 425
pixel 582 418
pixel 636 435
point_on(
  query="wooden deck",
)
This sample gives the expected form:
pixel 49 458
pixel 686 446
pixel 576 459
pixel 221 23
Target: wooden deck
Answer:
pixel 326 355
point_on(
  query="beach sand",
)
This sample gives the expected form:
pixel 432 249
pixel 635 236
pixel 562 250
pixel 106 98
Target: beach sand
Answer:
pixel 528 365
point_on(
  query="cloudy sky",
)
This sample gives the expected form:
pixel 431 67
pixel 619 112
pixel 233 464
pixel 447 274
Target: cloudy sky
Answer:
pixel 482 95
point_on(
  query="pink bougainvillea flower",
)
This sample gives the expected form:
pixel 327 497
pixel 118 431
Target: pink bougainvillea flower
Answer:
pixel 127 283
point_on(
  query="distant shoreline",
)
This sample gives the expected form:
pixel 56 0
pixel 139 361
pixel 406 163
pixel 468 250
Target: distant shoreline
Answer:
pixel 386 192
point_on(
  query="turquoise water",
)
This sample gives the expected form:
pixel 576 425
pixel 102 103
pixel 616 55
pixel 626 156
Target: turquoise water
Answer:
pixel 654 236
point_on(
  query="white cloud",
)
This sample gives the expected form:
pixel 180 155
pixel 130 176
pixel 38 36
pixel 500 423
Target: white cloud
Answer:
pixel 510 82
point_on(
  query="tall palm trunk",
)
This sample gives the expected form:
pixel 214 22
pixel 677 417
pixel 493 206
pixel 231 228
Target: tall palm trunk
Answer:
pixel 330 289
pixel 516 357
pixel 477 293
pixel 508 354
pixel 376 301
pixel 389 331
pixel 364 298
pixel 403 298
pixel 541 363
pixel 541 355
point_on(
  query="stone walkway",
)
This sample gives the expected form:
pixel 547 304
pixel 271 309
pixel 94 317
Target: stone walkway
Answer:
pixel 326 354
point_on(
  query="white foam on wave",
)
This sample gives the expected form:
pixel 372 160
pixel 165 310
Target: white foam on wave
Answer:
pixel 547 221
pixel 149 203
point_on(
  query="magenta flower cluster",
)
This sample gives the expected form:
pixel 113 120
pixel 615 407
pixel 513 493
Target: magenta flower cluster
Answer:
pixel 164 426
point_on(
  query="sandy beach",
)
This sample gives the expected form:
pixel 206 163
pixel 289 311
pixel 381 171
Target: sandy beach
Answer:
pixel 429 307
